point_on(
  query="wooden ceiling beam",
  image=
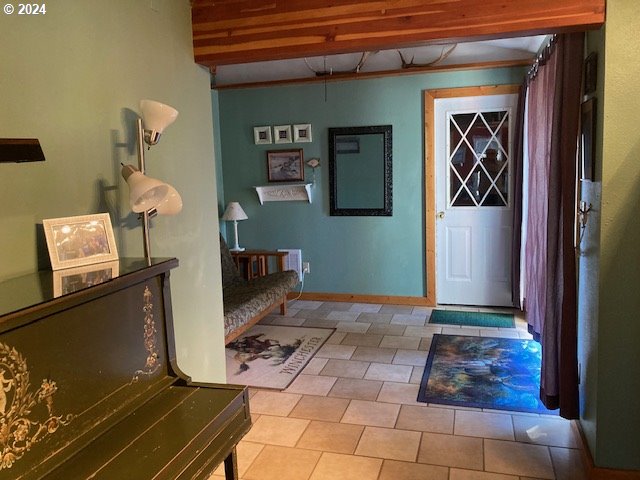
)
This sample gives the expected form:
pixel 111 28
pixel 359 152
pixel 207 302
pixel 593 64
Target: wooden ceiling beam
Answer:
pixel 243 31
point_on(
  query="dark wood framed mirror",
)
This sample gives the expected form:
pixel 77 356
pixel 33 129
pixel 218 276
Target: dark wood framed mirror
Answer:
pixel 360 171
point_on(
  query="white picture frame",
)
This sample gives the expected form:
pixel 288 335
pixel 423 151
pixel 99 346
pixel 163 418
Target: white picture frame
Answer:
pixel 80 240
pixel 282 134
pixel 302 133
pixel 262 135
pixel 69 280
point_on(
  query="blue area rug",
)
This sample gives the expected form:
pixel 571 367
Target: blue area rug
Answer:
pixel 474 319
pixel 483 372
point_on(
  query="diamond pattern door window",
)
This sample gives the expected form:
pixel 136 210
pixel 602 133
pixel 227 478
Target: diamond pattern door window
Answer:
pixel 479 159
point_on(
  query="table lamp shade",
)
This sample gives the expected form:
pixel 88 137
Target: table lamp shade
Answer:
pixel 234 212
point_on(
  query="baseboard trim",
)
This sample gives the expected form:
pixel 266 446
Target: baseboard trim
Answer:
pixel 599 473
pixel 358 298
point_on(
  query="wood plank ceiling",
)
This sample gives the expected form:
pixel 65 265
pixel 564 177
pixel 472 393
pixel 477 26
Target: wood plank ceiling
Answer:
pixel 243 31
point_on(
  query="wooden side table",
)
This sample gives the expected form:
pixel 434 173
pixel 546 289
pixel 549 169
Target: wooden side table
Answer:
pixel 255 263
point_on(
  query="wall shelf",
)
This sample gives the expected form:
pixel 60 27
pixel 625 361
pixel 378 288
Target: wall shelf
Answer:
pixel 284 193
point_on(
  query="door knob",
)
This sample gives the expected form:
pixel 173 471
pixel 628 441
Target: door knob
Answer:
pixel 440 215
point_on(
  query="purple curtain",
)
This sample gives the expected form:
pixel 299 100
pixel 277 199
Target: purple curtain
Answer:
pixel 553 118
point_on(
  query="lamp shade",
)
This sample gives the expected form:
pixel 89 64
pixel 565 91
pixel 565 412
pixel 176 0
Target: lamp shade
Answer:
pixel 234 212
pixel 156 117
pixel 172 203
pixel 145 192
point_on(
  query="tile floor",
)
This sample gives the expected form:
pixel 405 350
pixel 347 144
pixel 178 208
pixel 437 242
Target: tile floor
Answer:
pixel 352 412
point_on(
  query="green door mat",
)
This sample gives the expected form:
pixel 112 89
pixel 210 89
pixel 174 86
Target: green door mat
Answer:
pixel 474 319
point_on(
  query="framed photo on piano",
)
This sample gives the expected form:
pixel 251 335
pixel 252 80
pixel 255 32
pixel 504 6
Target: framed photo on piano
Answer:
pixel 81 240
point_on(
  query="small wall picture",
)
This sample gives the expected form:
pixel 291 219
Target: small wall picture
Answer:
pixel 81 240
pixel 71 280
pixel 282 133
pixel 302 133
pixel 262 135
pixel 285 165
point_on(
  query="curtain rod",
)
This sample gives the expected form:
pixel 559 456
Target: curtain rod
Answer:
pixel 543 55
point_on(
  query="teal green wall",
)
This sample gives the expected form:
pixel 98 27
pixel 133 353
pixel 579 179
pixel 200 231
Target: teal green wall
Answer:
pixel 618 335
pixel 70 78
pixel 359 255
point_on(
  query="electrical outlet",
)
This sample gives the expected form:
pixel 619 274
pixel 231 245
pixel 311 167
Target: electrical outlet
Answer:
pixel 305 267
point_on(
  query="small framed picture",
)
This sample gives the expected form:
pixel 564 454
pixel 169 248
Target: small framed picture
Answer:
pixel 262 135
pixel 282 133
pixel 302 133
pixel 71 280
pixel 81 240
pixel 285 165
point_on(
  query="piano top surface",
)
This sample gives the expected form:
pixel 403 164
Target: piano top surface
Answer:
pixel 30 290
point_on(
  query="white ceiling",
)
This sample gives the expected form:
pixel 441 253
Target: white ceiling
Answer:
pixel 520 48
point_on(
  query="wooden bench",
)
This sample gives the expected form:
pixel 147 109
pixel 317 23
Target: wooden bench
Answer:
pixel 89 386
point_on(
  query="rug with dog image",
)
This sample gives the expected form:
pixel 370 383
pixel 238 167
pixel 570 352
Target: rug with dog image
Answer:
pixel 271 356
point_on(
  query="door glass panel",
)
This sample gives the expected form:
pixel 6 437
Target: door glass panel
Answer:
pixel 479 159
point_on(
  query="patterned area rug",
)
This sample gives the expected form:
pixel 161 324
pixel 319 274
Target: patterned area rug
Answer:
pixel 483 372
pixel 474 319
pixel 271 356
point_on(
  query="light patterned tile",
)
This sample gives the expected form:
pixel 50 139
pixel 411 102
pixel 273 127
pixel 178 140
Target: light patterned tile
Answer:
pixel 499 333
pixel 416 375
pixel 306 304
pixel 343 316
pixel 425 419
pixel 375 317
pixel 286 321
pixel 484 424
pixel 545 431
pixel 397 309
pixel 320 323
pixel 276 430
pixel 350 467
pixel 356 389
pixel 395 341
pixel 472 332
pixel 352 327
pixel 273 403
pixel 276 463
pixel 375 414
pixel 309 314
pixel 315 366
pixel 362 339
pixel 568 464
pixel 412 319
pixel 311 385
pixel 336 338
pixel 374 354
pixel 365 307
pixel 395 470
pixel 331 437
pixel 389 443
pixel 389 373
pixel 426 331
pixel 405 393
pixel 345 368
pixel 416 358
pixel 457 474
pixel 336 306
pixel 386 329
pixel 314 407
pixel 518 459
pixel 451 451
pixel 343 352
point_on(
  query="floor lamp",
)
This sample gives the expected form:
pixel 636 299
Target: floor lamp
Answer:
pixel 148 196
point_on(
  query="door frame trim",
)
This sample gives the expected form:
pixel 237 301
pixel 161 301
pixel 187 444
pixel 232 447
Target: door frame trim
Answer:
pixel 429 97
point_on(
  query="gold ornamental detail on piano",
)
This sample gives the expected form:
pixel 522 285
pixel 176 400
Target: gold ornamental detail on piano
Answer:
pixel 26 417
pixel 150 339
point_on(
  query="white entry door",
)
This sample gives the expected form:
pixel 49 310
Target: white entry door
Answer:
pixel 473 145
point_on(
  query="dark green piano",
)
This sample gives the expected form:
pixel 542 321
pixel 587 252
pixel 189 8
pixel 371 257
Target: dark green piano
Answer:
pixel 89 385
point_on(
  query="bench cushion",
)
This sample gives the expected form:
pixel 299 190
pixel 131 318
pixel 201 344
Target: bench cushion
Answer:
pixel 246 300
